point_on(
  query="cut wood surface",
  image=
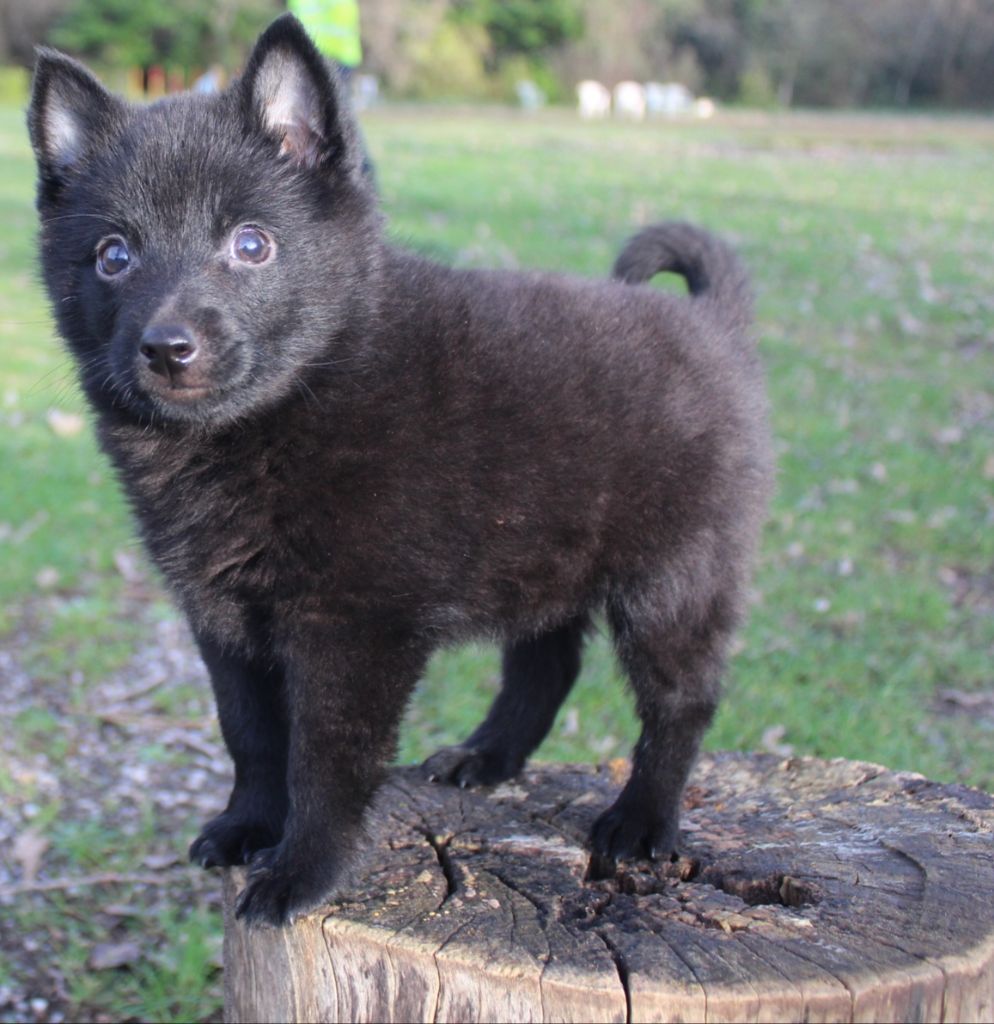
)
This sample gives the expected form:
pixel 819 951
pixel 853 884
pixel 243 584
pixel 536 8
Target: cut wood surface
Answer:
pixel 806 890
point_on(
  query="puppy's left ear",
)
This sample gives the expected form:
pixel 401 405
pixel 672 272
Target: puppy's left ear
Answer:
pixel 291 94
pixel 70 117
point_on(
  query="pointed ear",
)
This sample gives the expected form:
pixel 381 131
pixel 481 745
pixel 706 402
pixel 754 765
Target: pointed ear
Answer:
pixel 292 95
pixel 69 115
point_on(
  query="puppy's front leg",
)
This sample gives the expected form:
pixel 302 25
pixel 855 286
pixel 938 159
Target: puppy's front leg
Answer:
pixel 251 706
pixel 346 691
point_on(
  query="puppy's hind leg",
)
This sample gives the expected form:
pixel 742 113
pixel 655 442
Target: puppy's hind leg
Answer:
pixel 674 663
pixel 538 673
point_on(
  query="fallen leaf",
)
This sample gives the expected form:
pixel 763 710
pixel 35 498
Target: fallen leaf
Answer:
pixel 941 517
pixel 770 741
pixel 215 951
pixel 128 566
pixel 29 847
pixel 21 534
pixel 948 435
pixel 124 910
pixel 65 424
pixel 158 861
pixel 604 745
pixel 618 769
pixel 979 700
pixel 47 577
pixel 909 323
pixel 106 956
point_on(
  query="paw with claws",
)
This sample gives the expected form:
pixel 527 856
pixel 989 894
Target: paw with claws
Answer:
pixel 468 766
pixel 626 832
pixel 231 839
pixel 280 889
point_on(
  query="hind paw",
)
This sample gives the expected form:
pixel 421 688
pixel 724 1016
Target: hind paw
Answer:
pixel 466 766
pixel 626 833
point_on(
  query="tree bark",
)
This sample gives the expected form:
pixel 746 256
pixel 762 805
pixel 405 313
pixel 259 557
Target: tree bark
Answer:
pixel 806 890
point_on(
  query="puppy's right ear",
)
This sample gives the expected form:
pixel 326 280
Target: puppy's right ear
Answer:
pixel 293 97
pixel 70 112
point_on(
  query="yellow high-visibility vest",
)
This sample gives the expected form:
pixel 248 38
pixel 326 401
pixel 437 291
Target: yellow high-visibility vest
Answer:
pixel 334 27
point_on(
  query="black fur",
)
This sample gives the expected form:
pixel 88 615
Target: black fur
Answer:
pixel 368 455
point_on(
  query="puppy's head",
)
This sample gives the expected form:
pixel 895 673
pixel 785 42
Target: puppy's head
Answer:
pixel 202 251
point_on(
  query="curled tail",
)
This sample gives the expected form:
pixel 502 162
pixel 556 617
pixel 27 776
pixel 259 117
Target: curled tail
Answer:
pixel 713 272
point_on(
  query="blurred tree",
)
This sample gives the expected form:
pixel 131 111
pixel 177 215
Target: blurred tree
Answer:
pixel 715 31
pixel 800 52
pixel 786 52
pixel 937 51
pixel 180 33
pixel 23 24
pixel 836 52
pixel 395 36
pixel 620 41
pixel 128 33
pixel 451 64
pixel 523 26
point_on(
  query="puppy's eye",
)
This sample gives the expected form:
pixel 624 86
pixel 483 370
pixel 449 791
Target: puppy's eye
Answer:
pixel 113 257
pixel 251 245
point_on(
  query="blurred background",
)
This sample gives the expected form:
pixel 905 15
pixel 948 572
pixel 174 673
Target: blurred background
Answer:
pixel 766 53
pixel 846 149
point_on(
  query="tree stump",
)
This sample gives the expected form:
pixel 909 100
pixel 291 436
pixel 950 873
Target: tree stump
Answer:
pixel 807 890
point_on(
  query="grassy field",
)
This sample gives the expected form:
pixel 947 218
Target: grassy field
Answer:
pixel 872 629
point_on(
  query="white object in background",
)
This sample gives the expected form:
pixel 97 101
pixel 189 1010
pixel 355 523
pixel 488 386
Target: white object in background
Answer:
pixel 593 98
pixel 629 100
pixel 668 98
pixel 704 107
pixel 530 96
pixel 365 91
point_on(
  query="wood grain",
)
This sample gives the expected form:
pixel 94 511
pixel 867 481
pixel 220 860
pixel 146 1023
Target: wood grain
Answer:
pixel 806 890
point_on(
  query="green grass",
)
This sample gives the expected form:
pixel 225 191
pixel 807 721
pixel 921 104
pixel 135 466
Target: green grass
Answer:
pixel 869 240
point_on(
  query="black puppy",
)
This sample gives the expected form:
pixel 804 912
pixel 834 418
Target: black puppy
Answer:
pixel 342 456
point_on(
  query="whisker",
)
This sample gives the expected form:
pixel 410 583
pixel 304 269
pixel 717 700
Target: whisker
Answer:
pixel 80 216
pixel 307 392
pixel 333 362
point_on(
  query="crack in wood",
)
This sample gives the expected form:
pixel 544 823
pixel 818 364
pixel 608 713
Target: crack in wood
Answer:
pixel 475 906
pixel 441 847
pixel 622 968
pixel 820 965
pixel 541 916
pixel 667 941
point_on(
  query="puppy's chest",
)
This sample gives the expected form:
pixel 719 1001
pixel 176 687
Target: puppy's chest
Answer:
pixel 245 524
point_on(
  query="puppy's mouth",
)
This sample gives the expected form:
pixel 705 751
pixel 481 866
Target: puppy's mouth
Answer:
pixel 181 391
pixel 177 389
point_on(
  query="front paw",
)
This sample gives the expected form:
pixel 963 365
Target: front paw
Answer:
pixel 231 839
pixel 278 890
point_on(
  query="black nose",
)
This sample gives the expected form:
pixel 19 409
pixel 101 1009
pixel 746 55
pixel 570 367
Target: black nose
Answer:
pixel 168 348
